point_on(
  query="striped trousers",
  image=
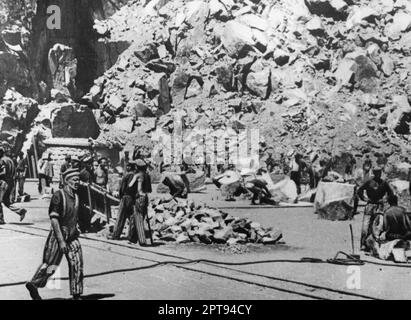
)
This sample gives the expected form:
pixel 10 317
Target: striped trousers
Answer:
pixel 52 257
pixel 125 212
pixel 137 230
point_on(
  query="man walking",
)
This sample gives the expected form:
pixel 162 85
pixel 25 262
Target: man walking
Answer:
pixel 7 173
pixel 128 197
pixel 297 166
pixel 142 181
pixel 375 188
pixel 62 239
pixel 22 167
pixel 101 174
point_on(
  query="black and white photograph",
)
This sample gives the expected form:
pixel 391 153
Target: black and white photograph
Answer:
pixel 228 151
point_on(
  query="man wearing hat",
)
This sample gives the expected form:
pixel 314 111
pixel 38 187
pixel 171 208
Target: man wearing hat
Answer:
pixel 65 166
pixel 62 239
pixel 7 172
pixel 127 199
pixel 375 188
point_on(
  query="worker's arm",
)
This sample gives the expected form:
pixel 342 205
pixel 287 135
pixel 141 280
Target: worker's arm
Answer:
pixel 40 165
pixel 2 169
pixel 389 190
pixel 360 191
pixel 25 169
pixel 56 209
pixel 55 224
pixel 140 186
pixel 267 191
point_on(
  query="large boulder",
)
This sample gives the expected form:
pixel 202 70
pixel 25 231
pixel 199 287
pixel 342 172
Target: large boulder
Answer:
pixel 254 21
pixel 398 120
pixel 360 14
pixel 334 201
pixel 237 38
pixel 146 52
pixel 197 12
pixel 157 86
pixel 345 72
pixel 138 109
pixel 401 23
pixel 405 44
pixel 125 124
pixel 336 9
pixel 16 116
pixel 366 74
pixel 14 73
pixel 258 80
pixel 70 120
pixel 387 66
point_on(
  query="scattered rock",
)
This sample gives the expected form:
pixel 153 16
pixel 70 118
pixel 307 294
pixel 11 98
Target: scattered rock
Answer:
pixel 387 65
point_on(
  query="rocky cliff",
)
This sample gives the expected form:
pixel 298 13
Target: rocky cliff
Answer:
pixel 312 75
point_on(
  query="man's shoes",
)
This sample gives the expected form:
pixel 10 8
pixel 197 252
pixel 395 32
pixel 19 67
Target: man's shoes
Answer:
pixel 2 222
pixel 34 293
pixel 77 297
pixel 22 214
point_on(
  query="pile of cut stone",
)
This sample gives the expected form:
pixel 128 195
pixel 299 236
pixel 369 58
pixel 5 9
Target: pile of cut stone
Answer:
pixel 182 221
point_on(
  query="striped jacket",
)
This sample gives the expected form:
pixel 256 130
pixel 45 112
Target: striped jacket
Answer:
pixel 7 169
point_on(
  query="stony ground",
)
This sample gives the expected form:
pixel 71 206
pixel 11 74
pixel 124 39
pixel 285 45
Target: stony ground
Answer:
pixel 119 270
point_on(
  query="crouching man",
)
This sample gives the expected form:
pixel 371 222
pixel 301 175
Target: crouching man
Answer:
pixel 391 232
pixel 375 188
pixel 62 239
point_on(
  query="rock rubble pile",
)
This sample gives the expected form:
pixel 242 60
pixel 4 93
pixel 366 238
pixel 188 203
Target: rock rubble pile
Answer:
pixel 182 222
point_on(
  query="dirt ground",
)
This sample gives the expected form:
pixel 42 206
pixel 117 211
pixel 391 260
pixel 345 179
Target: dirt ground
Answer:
pixel 120 270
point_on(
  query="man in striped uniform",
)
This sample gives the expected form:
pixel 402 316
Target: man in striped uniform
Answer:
pixel 7 174
pixel 63 239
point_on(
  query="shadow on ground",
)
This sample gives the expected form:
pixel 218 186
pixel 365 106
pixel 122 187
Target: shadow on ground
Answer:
pixel 93 296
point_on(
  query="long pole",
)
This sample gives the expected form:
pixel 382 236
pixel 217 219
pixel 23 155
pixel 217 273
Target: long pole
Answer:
pixel 36 156
pixel 352 239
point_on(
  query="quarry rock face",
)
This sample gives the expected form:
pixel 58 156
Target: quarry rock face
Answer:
pixel 305 72
pixel 73 120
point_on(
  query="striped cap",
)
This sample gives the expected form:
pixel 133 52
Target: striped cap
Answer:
pixel 70 173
